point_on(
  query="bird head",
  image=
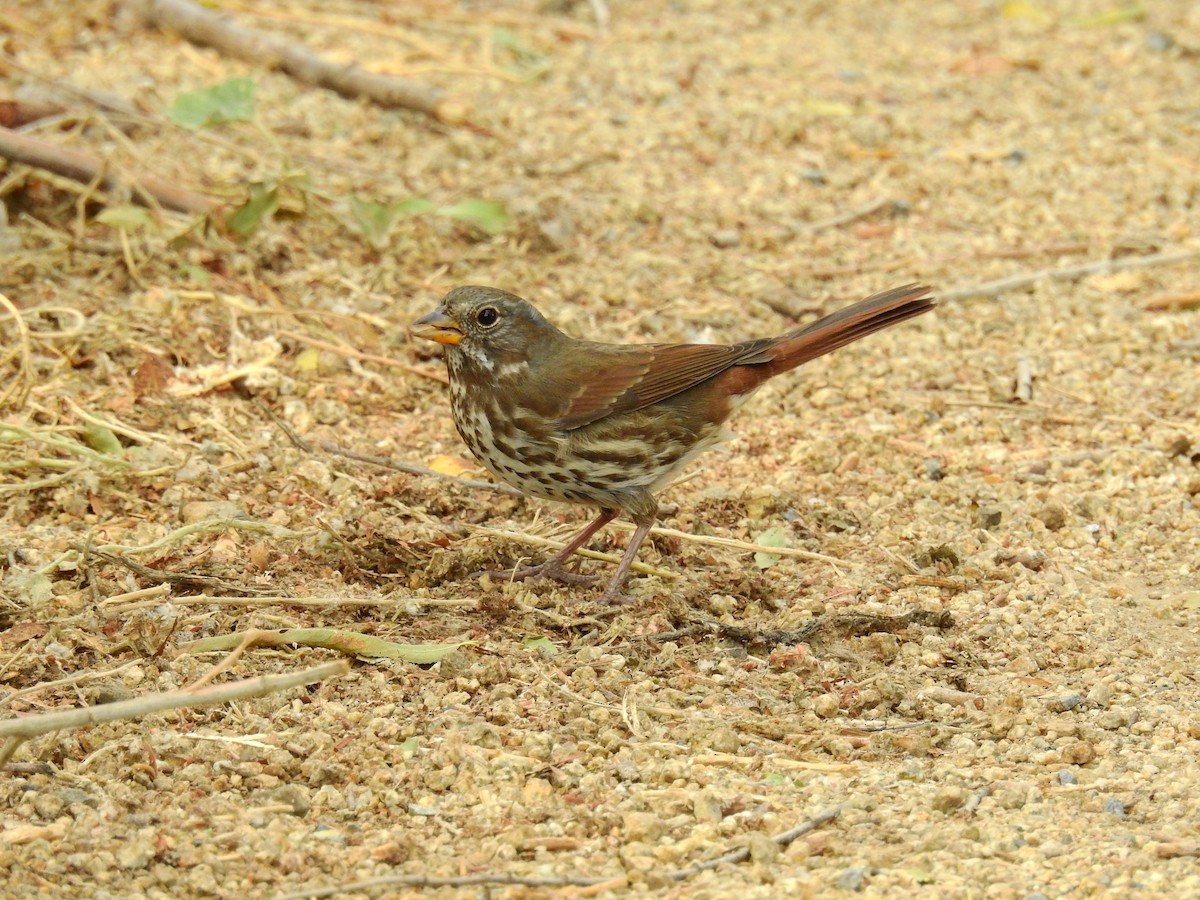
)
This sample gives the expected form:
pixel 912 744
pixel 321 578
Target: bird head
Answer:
pixel 486 323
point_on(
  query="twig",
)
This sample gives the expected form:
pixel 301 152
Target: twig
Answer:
pixel 18 390
pixel 202 26
pixel 65 682
pixel 149 598
pixel 1172 302
pixel 746 546
pixel 412 469
pixel 15 113
pixel 1099 267
pixel 743 853
pixel 16 731
pixel 1023 381
pixel 134 434
pixel 85 168
pixel 842 218
pixel 431 374
pixel 167 578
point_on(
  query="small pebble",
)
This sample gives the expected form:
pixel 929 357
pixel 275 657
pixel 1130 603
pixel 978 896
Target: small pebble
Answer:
pixel 1066 776
pixel 726 237
pixel 1115 806
pixel 853 879
pixel 1064 703
pixel 949 798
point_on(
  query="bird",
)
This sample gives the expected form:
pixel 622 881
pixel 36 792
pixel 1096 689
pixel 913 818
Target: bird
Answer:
pixel 610 425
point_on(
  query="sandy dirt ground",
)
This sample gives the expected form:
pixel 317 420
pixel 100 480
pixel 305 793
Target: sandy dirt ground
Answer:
pixel 969 668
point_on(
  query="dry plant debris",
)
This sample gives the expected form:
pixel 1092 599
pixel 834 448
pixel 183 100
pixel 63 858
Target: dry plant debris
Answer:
pixel 928 626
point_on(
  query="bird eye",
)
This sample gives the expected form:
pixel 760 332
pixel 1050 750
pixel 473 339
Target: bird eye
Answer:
pixel 487 317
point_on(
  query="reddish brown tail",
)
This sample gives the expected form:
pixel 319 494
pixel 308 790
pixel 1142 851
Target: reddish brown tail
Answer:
pixel 847 325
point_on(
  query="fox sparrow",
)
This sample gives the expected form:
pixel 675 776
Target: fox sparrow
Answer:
pixel 607 425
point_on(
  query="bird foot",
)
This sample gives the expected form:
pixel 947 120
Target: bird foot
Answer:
pixel 550 570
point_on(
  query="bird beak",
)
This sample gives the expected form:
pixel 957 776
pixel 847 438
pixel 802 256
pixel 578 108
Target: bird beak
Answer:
pixel 437 326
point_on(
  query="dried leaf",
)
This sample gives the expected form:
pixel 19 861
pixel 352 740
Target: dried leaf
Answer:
pixel 451 465
pixel 152 376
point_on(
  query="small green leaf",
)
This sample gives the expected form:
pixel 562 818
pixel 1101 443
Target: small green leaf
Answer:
pixel 127 218
pixel 1022 9
pixel 525 57
pixel 229 101
pixel 1127 12
pixel 919 875
pixel 772 537
pixel 102 440
pixel 486 215
pixel 540 643
pixel 193 274
pixel 774 779
pixel 262 204
pixel 828 108
pixel 410 745
pixel 374 220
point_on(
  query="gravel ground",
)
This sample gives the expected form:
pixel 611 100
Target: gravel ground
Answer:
pixel 983 686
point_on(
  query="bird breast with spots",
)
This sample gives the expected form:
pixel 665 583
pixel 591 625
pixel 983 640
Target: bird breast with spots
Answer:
pixel 613 462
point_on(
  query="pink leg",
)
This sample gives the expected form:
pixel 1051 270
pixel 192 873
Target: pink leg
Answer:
pixel 612 593
pixel 553 567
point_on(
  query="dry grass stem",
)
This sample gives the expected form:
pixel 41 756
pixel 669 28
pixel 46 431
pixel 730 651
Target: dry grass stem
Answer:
pixel 16 731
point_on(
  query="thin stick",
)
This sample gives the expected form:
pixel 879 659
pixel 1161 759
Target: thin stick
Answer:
pixel 1099 267
pixel 850 215
pixel 128 431
pixel 412 469
pixel 15 731
pixel 18 391
pixel 133 601
pixel 431 374
pixel 735 544
pixel 210 29
pixel 79 678
pixel 743 853
pixel 83 167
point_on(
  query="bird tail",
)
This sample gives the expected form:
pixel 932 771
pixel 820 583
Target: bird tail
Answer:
pixel 844 327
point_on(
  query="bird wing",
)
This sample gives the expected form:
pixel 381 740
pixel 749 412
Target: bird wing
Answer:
pixel 622 379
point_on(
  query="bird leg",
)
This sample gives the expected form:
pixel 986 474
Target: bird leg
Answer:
pixel 612 593
pixel 554 567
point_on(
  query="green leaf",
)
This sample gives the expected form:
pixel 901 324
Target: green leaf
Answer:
pixel 1022 9
pixel 525 57
pixel 540 643
pixel 486 215
pixel 375 220
pixel 1127 12
pixel 102 440
pixel 127 218
pixel 409 746
pixel 230 101
pixel 772 537
pixel 193 274
pixel 351 642
pixel 262 204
